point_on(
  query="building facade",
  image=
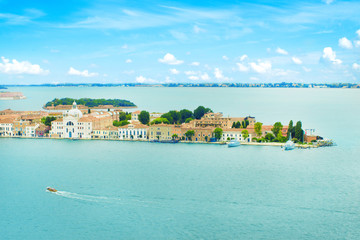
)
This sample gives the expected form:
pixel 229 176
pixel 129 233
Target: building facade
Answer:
pixel 133 131
pixel 160 132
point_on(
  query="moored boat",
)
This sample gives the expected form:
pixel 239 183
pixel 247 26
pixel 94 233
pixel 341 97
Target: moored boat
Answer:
pixel 289 145
pixel 234 143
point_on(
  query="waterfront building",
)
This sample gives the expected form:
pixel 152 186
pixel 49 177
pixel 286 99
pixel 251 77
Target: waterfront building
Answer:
pixel 134 131
pixel 135 115
pixel 235 134
pixel 160 132
pixel 6 127
pixel 216 120
pixel 42 130
pixel 109 132
pixel 201 134
pixel 19 128
pixel 75 125
pixel 30 130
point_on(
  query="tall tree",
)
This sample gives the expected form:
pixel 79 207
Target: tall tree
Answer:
pixel 299 133
pixel 218 133
pixel 185 114
pixel 168 117
pixel 233 125
pixel 176 116
pixel 122 116
pixel 199 112
pixel 277 128
pixel 290 129
pixel 258 128
pixel 144 117
pixel 245 134
pixel 238 124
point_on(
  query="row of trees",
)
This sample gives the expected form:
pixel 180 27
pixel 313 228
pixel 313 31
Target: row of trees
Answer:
pixel 174 116
pixel 89 102
pixel 296 132
pixel 242 124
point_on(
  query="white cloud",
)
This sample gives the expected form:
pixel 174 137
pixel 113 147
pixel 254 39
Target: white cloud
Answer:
pixel 345 43
pixel 219 75
pixel 357 43
pixel 205 76
pixel 142 79
pixel 242 67
pixel 24 67
pixel 356 66
pixel 190 72
pixel 281 51
pixel 225 58
pixel 170 59
pixel 193 77
pixel 198 29
pixel 296 60
pixel 125 46
pixel 306 69
pixel 128 61
pixel 358 32
pixel 243 57
pixel 85 73
pixel 261 67
pixel 328 1
pixel 195 64
pixel 174 71
pixel 254 78
pixel 330 55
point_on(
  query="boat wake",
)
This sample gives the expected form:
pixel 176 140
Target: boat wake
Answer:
pixel 83 197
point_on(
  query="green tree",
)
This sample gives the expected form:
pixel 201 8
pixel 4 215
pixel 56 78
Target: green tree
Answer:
pixel 233 125
pixel 89 111
pixel 189 134
pixel 269 137
pixel 174 136
pixel 188 120
pixel 258 128
pixel 176 116
pixel 238 124
pixel 168 117
pixel 245 134
pixel 185 114
pixel 160 120
pixel 290 130
pixel 277 128
pixel 299 133
pixel 122 116
pixel 120 123
pixel 47 120
pixel 218 133
pixel 144 117
pixel 200 111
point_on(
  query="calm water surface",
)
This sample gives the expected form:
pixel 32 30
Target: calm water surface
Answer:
pixel 129 190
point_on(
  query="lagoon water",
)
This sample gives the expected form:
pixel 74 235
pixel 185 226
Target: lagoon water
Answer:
pixel 132 190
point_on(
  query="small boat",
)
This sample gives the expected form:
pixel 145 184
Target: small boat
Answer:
pixel 289 145
pixel 234 143
pixel 51 189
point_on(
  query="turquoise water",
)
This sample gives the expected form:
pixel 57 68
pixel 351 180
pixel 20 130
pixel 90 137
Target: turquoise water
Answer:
pixel 131 190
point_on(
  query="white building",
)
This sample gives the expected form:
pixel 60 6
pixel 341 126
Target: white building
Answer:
pixel 6 127
pixel 30 130
pixel 133 131
pixel 135 115
pixel 234 134
pixel 72 125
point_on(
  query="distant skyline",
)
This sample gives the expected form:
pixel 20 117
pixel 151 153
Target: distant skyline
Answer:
pixel 109 41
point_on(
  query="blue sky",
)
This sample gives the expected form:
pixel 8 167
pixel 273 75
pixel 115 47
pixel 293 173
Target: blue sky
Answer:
pixel 109 41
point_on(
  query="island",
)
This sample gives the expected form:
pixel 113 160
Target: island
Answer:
pixel 88 103
pixel 11 95
pixel 201 125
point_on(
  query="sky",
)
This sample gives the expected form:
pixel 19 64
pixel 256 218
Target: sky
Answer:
pixel 110 41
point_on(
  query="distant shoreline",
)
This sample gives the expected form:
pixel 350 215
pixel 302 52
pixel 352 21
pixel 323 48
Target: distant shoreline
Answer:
pixel 203 85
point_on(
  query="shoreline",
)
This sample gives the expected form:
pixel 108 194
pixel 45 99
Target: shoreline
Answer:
pixel 271 144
